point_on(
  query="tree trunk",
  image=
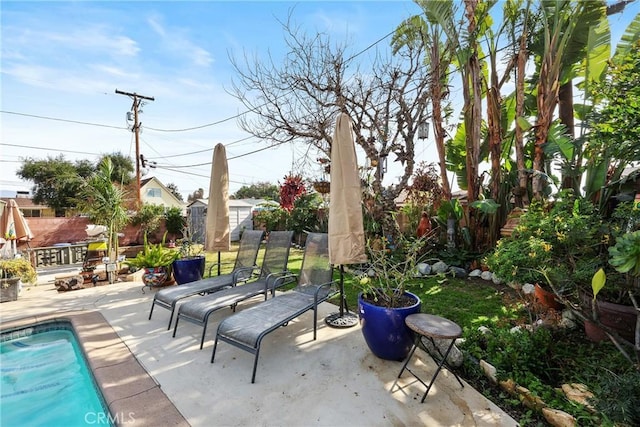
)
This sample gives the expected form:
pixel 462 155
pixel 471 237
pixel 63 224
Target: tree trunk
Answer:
pixel 565 112
pixel 473 112
pixel 473 119
pixel 436 104
pixel 522 197
pixel 547 99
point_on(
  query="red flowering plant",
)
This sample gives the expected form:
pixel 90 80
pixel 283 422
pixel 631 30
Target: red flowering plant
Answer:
pixel 290 190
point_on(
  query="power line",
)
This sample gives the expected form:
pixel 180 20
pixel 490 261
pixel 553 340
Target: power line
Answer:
pixel 47 149
pixel 192 174
pixel 62 120
pixel 201 151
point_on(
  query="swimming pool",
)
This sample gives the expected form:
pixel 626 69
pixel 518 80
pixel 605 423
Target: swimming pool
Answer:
pixel 46 380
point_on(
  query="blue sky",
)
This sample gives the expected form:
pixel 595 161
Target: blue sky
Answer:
pixel 64 60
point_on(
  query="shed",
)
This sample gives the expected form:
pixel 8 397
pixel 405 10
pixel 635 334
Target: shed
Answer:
pixel 240 218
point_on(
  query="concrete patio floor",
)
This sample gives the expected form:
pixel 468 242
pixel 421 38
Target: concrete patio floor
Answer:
pixel 333 381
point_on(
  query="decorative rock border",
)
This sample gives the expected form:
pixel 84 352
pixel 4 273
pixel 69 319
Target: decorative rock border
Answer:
pixel 577 393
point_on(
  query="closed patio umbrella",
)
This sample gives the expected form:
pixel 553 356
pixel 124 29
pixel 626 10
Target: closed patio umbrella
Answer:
pixel 346 229
pixel 218 234
pixel 13 226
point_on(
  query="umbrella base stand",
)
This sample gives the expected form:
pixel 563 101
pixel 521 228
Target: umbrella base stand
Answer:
pixel 342 320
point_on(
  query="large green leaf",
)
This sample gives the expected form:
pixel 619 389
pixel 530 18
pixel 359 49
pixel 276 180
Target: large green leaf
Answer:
pixel 596 175
pixel 597 282
pixel 628 39
pixel 456 156
pixel 487 206
pixel 558 142
pixel 582 111
pixel 572 25
pixel 598 50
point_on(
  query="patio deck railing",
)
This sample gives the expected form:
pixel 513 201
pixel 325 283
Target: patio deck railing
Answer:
pixel 55 256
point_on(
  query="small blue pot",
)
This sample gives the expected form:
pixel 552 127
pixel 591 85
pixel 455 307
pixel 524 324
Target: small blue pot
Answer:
pixel 384 330
pixel 188 269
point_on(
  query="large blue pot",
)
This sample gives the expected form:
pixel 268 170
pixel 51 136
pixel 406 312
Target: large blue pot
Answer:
pixel 384 330
pixel 188 269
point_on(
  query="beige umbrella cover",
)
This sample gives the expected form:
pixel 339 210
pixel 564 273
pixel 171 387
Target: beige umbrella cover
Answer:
pixel 13 225
pixel 346 230
pixel 218 236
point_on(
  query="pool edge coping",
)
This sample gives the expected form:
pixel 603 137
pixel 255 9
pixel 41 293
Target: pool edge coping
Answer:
pixel 133 396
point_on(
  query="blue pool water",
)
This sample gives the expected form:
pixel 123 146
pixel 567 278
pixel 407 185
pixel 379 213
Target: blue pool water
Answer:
pixel 46 382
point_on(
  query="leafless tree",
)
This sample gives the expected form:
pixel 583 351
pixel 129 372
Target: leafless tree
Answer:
pixel 296 100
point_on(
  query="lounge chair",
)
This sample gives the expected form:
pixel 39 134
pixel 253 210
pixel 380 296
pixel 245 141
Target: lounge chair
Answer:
pixel 247 328
pixel 243 269
pixel 273 274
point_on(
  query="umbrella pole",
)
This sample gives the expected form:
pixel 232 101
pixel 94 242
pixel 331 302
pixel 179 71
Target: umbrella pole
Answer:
pixel 218 263
pixel 342 319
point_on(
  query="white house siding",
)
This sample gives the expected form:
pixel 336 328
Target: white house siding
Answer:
pixel 240 218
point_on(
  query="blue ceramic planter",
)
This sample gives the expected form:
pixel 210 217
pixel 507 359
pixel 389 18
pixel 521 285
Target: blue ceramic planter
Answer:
pixel 384 330
pixel 188 269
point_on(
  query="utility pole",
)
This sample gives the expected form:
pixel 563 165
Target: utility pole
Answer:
pixel 137 100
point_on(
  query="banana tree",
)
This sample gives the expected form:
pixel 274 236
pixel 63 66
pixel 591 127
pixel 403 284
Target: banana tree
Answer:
pixel 565 27
pixel 615 124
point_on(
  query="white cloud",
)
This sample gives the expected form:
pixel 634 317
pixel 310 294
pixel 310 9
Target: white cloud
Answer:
pixel 111 70
pixel 177 42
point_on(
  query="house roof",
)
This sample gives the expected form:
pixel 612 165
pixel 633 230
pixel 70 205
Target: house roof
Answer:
pixel 146 181
pixel 23 202
pixel 233 203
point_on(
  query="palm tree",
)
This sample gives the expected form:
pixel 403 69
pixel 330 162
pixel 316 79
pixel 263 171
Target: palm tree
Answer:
pixel 104 202
pixel 438 60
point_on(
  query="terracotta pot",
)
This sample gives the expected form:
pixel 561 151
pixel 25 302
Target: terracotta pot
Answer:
pixel 593 332
pixel 619 317
pixel 546 298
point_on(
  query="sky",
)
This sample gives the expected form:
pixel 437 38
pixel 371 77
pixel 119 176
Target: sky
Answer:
pixel 61 63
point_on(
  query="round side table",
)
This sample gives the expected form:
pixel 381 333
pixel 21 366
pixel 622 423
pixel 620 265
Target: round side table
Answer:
pixel 431 327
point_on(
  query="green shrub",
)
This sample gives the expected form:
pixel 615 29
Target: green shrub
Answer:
pixel 18 267
pixel 617 398
pixel 174 221
pixel 153 255
pixel 563 237
pixel 148 218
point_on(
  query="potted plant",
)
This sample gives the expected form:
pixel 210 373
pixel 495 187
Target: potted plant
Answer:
pixel 623 319
pixel 12 272
pixel 156 260
pixel 384 302
pixel 189 266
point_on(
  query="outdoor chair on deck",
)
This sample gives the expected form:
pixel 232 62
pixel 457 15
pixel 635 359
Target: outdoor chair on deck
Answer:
pixel 243 269
pixel 315 284
pixel 273 274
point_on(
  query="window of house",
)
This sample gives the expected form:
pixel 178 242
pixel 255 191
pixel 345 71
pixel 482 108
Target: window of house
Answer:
pixel 31 213
pixel 154 192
